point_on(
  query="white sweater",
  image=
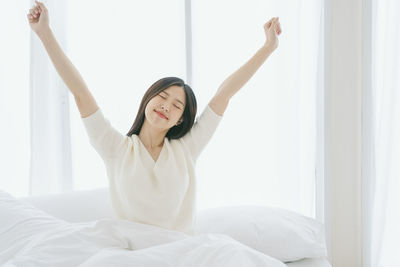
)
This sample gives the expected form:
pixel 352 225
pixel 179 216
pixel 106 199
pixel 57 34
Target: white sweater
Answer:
pixel 161 193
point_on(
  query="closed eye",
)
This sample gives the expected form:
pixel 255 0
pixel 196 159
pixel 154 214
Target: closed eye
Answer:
pixel 165 98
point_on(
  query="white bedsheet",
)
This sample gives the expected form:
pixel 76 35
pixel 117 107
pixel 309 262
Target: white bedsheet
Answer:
pixel 112 242
pixel 318 262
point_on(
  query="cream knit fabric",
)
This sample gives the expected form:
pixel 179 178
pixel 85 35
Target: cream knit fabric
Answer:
pixel 161 193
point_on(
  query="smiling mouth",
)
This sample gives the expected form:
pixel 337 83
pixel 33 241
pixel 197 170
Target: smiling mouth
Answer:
pixel 161 115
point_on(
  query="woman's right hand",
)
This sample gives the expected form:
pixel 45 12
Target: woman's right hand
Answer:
pixel 38 17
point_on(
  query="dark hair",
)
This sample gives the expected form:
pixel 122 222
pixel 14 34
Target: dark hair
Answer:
pixel 189 114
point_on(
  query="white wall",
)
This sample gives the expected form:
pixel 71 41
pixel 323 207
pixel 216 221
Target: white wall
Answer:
pixel 343 87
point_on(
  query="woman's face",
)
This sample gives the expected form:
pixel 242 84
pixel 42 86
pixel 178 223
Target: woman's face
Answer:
pixel 170 102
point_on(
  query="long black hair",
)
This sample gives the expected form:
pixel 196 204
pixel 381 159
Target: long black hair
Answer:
pixel 189 113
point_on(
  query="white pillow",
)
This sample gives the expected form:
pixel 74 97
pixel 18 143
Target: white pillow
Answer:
pixel 20 223
pixel 76 206
pixel 282 234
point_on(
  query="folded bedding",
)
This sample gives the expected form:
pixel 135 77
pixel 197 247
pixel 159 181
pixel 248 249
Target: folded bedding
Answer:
pixel 113 242
pixel 31 237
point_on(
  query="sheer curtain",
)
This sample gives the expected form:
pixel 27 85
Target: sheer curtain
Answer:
pixel 50 158
pixel 14 99
pixel 264 151
pixel 381 138
pixel 34 156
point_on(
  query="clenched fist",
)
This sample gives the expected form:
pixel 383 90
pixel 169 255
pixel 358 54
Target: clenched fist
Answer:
pixel 38 18
pixel 272 30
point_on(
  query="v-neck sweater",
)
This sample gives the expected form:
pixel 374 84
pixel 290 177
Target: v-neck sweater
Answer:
pixel 162 192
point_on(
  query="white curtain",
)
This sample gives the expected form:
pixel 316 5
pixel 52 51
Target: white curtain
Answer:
pixel 35 148
pixel 264 151
pixel 382 138
pixel 14 99
pixel 50 159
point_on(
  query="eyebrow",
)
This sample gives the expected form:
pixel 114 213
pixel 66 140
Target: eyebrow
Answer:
pixel 175 98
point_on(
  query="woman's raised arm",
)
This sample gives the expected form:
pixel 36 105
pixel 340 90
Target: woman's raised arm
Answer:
pixel 38 17
pixel 236 81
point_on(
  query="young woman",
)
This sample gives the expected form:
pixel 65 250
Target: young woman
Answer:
pixel 151 169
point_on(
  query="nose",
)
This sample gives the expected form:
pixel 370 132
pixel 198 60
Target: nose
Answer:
pixel 165 107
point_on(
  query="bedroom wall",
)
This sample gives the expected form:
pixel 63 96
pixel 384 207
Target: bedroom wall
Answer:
pixel 343 84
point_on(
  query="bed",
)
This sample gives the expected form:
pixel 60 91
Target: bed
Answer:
pixel 71 219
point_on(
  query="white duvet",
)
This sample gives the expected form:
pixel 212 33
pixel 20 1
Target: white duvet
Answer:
pixel 112 242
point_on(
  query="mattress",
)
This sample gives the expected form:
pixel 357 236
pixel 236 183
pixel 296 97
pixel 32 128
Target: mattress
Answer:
pixel 317 262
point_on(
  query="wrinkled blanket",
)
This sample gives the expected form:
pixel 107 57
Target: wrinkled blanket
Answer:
pixel 112 242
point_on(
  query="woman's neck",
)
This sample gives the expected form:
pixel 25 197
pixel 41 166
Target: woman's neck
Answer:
pixel 151 138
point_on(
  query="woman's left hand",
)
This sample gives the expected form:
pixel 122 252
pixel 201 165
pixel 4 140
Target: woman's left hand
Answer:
pixel 272 30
